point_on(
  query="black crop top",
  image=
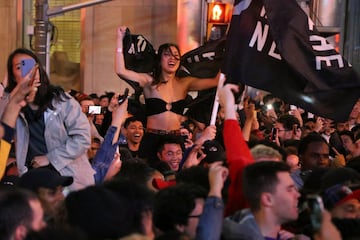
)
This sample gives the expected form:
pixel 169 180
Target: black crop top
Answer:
pixel 156 106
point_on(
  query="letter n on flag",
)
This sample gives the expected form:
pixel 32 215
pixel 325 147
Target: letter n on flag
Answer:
pixel 274 46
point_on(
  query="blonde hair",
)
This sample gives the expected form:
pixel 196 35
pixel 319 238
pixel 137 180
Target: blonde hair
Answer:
pixel 262 152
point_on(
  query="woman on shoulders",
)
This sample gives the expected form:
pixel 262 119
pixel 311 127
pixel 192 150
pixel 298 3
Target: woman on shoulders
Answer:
pixel 164 92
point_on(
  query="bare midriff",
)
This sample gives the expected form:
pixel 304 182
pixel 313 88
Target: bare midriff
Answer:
pixel 164 121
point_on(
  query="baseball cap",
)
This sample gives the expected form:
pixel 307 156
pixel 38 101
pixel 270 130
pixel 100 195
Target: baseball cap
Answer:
pixel 161 184
pixel 339 185
pixel 214 151
pixel 340 193
pixel 43 177
pixel 9 181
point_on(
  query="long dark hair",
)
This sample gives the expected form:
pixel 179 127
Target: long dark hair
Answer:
pixel 46 92
pixel 157 68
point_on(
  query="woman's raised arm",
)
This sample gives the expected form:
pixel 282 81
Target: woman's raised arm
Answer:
pixel 143 79
pixel 196 84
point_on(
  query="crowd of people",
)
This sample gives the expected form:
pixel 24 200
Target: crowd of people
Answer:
pixel 152 170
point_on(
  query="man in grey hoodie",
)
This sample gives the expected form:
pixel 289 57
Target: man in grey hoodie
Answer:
pixel 273 200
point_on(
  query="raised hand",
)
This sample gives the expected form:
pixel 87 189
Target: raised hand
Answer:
pixel 217 177
pixel 121 31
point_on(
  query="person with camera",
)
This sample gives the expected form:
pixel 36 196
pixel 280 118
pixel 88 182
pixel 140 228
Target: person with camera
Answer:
pixel 90 110
pixel 328 230
pixel 288 128
pixel 163 90
pixel 107 162
pixel 51 131
pixel 19 97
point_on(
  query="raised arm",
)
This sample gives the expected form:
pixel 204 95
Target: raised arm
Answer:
pixel 251 121
pixel 142 78
pixel 18 99
pixel 105 155
pixel 210 222
pixel 238 154
pixel 196 84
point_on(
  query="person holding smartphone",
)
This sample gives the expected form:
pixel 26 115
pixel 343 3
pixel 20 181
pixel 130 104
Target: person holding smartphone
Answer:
pixel 51 131
pixel 19 98
pixel 90 110
pixel 287 127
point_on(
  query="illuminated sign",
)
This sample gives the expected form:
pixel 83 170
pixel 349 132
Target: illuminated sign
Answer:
pixel 216 13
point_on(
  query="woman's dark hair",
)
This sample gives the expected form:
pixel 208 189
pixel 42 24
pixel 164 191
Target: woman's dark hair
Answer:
pixel 46 92
pixel 157 68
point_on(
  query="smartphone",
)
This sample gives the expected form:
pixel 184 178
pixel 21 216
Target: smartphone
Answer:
pixel 273 134
pixel 315 207
pixel 269 107
pixel 293 107
pixel 184 137
pixel 123 97
pixel 336 142
pixel 26 66
pixel 94 109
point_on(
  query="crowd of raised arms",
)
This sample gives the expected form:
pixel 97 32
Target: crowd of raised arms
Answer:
pixel 77 165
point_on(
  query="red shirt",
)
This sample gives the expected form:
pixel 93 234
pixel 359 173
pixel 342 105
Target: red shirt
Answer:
pixel 238 156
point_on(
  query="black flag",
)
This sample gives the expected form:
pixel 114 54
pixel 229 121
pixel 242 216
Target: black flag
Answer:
pixel 139 56
pixel 204 61
pixel 274 46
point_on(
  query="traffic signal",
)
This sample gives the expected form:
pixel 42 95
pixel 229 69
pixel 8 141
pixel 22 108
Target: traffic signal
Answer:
pixel 218 18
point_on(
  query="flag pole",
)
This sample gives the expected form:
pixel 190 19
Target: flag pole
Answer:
pixel 216 101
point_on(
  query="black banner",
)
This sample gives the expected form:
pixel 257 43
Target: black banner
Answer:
pixel 274 46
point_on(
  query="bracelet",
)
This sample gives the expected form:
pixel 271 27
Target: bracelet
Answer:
pixel 119 50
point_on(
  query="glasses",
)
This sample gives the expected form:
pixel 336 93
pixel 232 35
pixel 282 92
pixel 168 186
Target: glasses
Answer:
pixel 282 130
pixel 287 130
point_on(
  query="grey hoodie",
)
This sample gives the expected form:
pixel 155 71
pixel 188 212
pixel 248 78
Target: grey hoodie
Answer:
pixel 241 225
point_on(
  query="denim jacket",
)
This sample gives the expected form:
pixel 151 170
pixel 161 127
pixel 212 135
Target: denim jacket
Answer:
pixel 210 222
pixel 67 137
pixel 105 155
